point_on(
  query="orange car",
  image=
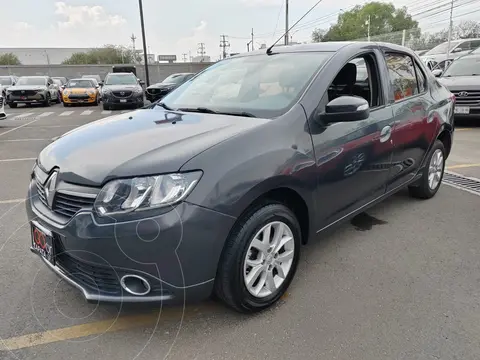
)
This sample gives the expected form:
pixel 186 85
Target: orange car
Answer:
pixel 80 91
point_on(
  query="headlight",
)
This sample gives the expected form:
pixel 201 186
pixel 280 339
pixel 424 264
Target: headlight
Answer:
pixel 106 91
pixel 90 92
pixel 142 193
pixel 138 91
pixel 65 92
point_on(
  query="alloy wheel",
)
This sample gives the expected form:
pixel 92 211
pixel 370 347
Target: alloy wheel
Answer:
pixel 435 169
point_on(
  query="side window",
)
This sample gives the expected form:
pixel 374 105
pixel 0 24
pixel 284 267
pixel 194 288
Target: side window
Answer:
pixel 359 77
pixel 402 75
pixel 474 44
pixel 421 80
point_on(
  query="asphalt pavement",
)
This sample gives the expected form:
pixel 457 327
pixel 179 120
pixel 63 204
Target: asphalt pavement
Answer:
pixel 400 282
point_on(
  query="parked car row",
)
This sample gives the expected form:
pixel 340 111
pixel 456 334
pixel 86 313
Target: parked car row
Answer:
pixel 118 89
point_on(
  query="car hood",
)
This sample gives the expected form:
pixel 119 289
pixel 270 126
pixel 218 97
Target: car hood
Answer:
pixel 121 87
pixel 147 141
pixel 460 83
pixel 27 87
pixel 162 86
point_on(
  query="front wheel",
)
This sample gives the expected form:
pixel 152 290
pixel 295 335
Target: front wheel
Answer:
pixel 106 107
pixel 432 174
pixel 47 100
pixel 259 259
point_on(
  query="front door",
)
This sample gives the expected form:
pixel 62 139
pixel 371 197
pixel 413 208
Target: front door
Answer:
pixel 353 158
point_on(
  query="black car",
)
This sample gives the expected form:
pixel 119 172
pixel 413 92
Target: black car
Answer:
pixel 122 90
pixel 157 91
pixel 217 188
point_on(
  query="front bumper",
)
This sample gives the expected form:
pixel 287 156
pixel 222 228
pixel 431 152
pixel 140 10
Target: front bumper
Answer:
pixel 177 252
pixel 135 99
pixel 89 100
pixel 29 99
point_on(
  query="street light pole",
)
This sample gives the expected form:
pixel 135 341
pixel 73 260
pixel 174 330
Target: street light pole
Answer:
pixel 145 55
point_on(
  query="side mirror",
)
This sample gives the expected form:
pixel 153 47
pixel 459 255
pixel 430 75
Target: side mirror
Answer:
pixel 457 50
pixel 437 72
pixel 346 109
pixel 100 83
pixel 98 86
pixel 62 87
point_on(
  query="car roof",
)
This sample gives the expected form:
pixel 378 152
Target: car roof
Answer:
pixel 35 76
pixel 329 46
pixel 83 79
pixel 121 73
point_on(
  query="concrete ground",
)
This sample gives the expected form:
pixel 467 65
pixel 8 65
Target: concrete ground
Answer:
pixel 404 289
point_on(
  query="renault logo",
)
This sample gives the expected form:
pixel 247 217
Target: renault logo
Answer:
pixel 50 186
pixel 463 93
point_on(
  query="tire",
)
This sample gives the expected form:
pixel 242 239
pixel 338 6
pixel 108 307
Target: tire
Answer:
pixel 424 188
pixel 13 105
pixel 230 282
pixel 106 107
pixel 96 101
pixel 47 100
pixel 66 105
pixel 58 100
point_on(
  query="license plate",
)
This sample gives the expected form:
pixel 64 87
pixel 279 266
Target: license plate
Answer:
pixel 123 100
pixel 42 243
pixel 462 110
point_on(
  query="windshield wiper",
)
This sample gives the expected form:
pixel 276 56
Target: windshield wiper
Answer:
pixel 163 105
pixel 210 111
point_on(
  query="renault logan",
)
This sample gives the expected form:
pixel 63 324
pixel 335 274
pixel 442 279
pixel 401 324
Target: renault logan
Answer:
pixel 216 189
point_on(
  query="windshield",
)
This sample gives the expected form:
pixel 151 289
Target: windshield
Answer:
pixel 80 84
pixel 121 80
pixel 262 85
pixel 442 48
pixel 31 81
pixel 173 79
pixel 5 81
pixel 464 67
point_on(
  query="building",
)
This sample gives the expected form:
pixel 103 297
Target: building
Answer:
pixel 200 58
pixel 42 56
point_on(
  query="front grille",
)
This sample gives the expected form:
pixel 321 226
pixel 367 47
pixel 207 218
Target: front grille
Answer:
pixel 122 94
pixel 68 205
pixel 23 92
pixel 471 98
pixel 101 279
pixel 41 193
pixel 78 96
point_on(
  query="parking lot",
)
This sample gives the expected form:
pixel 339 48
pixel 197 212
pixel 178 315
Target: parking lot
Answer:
pixel 401 282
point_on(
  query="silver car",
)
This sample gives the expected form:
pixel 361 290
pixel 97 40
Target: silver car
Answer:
pixel 33 90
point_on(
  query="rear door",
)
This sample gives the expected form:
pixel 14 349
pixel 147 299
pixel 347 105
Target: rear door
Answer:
pixel 414 128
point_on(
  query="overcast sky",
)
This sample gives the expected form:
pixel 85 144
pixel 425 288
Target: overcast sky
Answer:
pixel 177 26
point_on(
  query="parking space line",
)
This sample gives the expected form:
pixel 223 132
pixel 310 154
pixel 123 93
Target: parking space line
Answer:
pixel 46 114
pixel 462 166
pixel 463 129
pixel 20 140
pixel 18 127
pixel 51 126
pixel 78 331
pixel 23 115
pixel 21 159
pixel 13 201
pixel 106 112
pixel 66 113
pixel 86 112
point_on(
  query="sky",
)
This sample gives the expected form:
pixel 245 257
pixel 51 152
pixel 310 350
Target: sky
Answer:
pixel 177 26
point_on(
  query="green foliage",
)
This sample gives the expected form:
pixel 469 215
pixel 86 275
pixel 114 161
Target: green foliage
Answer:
pixel 353 24
pixel 9 59
pixel 108 54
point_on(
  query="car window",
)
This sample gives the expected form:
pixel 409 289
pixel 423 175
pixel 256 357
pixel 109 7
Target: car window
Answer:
pixel 402 75
pixel 5 80
pixel 80 83
pixel 263 85
pixel 114 79
pixel 354 79
pixel 474 44
pixel 464 66
pixel 421 79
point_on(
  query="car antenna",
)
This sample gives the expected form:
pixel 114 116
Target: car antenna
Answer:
pixel 269 50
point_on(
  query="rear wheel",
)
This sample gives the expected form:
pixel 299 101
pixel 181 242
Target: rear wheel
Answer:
pixel 432 174
pixel 259 259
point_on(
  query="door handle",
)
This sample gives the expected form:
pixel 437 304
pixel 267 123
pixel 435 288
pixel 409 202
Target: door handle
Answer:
pixel 385 134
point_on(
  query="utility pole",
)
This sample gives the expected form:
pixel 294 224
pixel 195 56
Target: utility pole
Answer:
pixel 184 55
pixel 224 44
pixel 145 54
pixel 252 40
pixel 368 28
pixel 201 50
pixel 133 38
pixel 286 22
pixel 190 55
pixel 450 30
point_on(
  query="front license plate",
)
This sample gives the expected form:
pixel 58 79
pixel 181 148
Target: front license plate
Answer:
pixel 42 243
pixel 123 100
pixel 462 110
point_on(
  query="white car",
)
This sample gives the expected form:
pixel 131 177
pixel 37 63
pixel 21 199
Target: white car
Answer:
pixel 3 115
pixel 457 49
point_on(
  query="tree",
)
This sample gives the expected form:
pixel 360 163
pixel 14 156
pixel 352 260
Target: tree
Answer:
pixel 9 59
pixel 108 54
pixel 318 35
pixel 384 19
pixel 467 29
